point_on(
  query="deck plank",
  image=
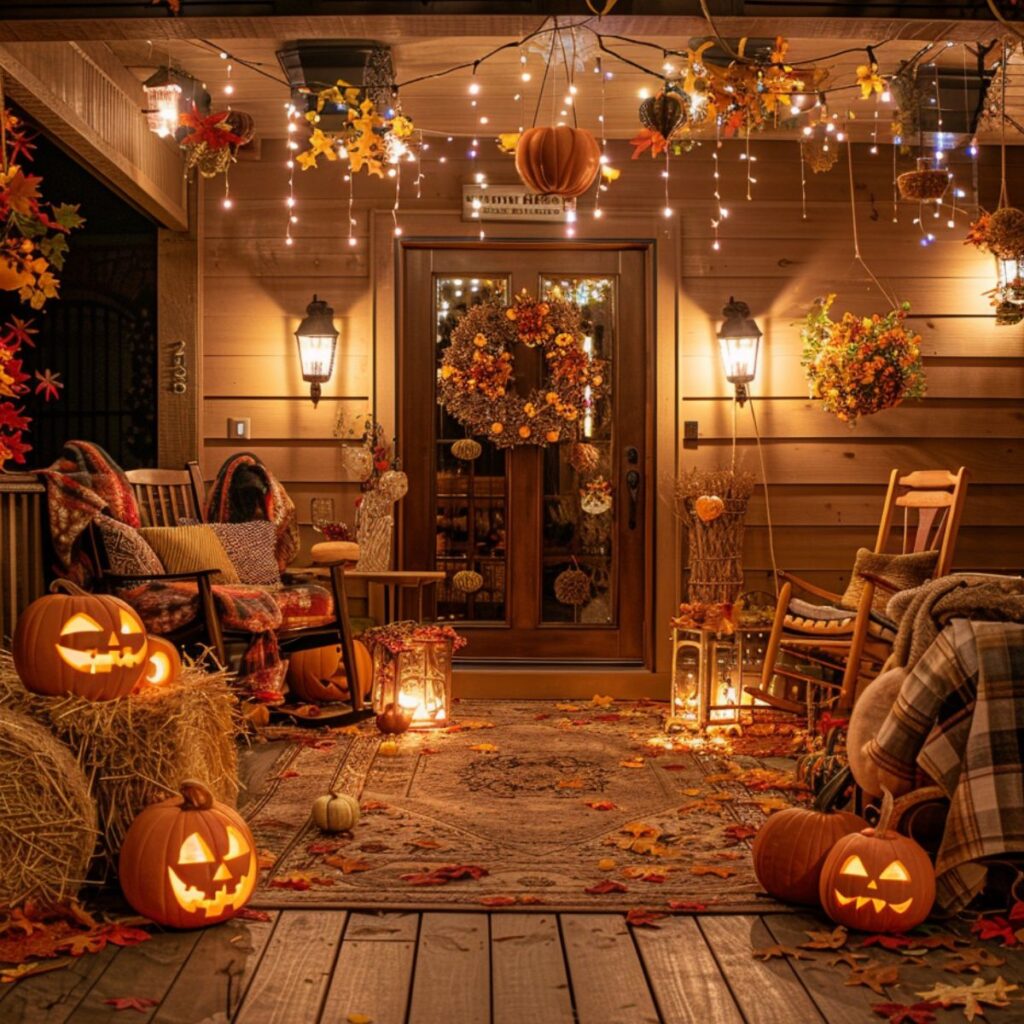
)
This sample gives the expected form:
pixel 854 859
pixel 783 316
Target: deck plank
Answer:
pixel 293 975
pixel 838 1002
pixel 768 992
pixel 145 971
pixel 684 975
pixel 373 979
pixel 453 971
pixel 54 995
pixel 382 926
pixel 218 971
pixel 608 981
pixel 528 973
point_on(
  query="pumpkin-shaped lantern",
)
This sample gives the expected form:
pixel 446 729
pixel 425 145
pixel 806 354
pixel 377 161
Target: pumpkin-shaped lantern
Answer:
pixel 70 641
pixel 877 880
pixel 163 665
pixel 792 845
pixel 189 861
pixel 559 161
pixel 335 812
pixel 318 675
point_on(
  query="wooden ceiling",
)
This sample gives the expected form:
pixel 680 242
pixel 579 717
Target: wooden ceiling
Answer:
pixel 443 104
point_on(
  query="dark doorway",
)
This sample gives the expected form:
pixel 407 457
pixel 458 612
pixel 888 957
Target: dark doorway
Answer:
pixel 100 334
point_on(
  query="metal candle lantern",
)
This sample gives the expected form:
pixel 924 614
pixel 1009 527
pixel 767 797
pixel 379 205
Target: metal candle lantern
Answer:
pixel 412 670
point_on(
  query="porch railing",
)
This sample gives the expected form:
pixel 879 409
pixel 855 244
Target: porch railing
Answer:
pixel 22 569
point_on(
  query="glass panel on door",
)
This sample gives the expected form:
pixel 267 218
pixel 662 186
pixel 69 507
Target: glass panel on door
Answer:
pixel 580 512
pixel 472 499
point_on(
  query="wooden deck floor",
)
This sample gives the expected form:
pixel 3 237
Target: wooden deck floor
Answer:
pixel 470 968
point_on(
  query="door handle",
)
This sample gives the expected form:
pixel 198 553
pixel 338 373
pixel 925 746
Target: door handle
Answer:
pixel 633 487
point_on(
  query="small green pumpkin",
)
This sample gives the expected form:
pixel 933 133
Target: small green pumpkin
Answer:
pixel 335 812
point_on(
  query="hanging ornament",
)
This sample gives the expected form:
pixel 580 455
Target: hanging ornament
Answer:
pixel 708 507
pixel 819 155
pixel 584 458
pixel 467 581
pixel 572 586
pixel 663 113
pixel 466 449
pixel 212 142
pixel 596 496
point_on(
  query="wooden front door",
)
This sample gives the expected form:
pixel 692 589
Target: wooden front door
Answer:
pixel 520 518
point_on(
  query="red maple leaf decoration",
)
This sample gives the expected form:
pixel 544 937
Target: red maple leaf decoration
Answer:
pixel 140 1003
pixel 211 129
pixel 988 929
pixel 445 874
pixel 903 1013
pixel 49 384
pixel 604 887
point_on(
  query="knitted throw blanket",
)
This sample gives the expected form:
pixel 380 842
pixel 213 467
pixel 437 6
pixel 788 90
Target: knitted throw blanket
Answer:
pixel 924 611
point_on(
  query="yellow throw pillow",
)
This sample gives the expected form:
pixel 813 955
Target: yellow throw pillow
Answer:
pixel 189 549
pixel 902 571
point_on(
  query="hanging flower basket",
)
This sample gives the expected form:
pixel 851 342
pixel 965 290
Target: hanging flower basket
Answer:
pixel 926 183
pixel 860 365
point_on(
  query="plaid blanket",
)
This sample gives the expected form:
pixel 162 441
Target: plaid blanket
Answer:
pixel 960 716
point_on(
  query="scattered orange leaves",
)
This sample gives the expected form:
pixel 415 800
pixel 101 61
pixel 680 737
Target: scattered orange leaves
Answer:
pixel 712 869
pixel 348 865
pixel 576 783
pixel 484 748
pixel 445 874
pixel 603 888
pixel 601 805
pixel 643 917
pixel 634 762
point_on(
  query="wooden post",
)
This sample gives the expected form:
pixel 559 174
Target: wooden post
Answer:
pixel 179 339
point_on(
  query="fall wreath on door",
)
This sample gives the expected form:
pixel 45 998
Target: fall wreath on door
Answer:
pixel 476 378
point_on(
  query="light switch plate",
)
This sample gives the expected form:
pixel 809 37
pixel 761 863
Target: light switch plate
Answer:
pixel 238 429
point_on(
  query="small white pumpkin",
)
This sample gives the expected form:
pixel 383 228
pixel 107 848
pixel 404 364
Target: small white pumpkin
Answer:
pixel 335 812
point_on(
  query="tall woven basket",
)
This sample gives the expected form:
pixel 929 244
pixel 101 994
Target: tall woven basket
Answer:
pixel 715 563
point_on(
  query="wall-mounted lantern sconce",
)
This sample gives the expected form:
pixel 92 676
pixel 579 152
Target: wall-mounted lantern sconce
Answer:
pixel 317 338
pixel 738 341
pixel 169 92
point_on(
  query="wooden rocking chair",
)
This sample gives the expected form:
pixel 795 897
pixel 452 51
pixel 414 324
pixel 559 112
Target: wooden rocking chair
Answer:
pixel 826 650
pixel 164 497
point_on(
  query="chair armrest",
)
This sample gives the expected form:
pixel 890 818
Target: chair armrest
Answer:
pixel 809 587
pixel 159 577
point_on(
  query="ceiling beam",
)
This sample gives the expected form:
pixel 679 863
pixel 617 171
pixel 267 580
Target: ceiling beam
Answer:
pixel 396 28
pixel 92 106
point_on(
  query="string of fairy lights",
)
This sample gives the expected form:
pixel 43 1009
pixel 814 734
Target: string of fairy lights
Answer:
pixel 566 49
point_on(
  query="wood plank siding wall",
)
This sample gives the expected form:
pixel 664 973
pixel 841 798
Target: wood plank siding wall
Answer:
pixel 826 480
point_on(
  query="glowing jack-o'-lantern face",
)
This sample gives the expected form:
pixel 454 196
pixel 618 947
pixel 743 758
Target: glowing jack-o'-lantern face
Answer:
pixel 84 647
pixel 163 664
pixel 878 881
pixel 91 645
pixel 204 883
pixel 895 871
pixel 189 861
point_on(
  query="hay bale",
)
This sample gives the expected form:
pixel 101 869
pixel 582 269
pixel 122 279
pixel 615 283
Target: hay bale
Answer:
pixel 136 750
pixel 47 817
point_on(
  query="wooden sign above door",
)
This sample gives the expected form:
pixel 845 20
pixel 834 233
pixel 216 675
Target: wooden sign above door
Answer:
pixel 510 202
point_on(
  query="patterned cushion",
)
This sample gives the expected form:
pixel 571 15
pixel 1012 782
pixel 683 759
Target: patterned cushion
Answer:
pixel 902 571
pixel 189 549
pixel 828 620
pixel 167 606
pixel 127 551
pixel 250 546
pixel 305 605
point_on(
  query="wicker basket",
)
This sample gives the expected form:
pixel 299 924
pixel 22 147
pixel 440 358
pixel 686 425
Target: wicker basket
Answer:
pixel 923 184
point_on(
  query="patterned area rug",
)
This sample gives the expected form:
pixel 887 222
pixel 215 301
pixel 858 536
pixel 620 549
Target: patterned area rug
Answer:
pixel 566 806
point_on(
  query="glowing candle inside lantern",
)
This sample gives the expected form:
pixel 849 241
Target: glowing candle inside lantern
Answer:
pixel 588 415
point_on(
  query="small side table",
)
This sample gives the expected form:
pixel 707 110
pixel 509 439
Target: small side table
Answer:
pixel 393 581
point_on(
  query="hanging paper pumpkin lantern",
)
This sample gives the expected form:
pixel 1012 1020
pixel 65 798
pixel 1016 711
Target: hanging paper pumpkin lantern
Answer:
pixel 335 812
pixel 559 161
pixel 663 113
pixel 163 665
pixel 877 880
pixel 189 861
pixel 91 645
pixel 318 675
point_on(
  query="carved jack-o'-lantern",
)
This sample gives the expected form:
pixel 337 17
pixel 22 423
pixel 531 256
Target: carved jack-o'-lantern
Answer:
pixel 318 675
pixel 91 645
pixel 188 861
pixel 877 880
pixel 163 666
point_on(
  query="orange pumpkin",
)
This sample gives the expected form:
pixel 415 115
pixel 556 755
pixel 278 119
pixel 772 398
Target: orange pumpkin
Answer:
pixel 189 861
pixel 792 845
pixel 394 720
pixel 877 880
pixel 163 666
pixel 91 645
pixel 559 161
pixel 318 675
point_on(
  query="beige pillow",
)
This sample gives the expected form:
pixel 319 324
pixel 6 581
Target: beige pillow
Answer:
pixel 902 571
pixel 189 549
